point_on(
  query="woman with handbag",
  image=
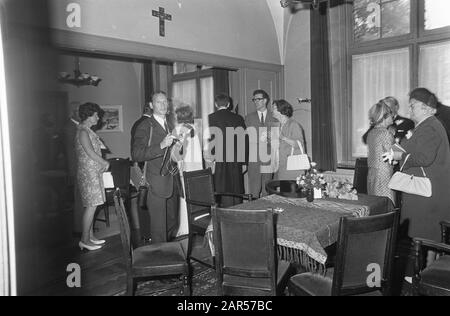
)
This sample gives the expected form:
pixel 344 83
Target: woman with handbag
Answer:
pixel 187 153
pixel 292 139
pixel 425 154
pixel 90 166
pixel 380 139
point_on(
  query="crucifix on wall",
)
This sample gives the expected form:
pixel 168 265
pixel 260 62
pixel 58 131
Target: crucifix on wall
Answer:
pixel 162 17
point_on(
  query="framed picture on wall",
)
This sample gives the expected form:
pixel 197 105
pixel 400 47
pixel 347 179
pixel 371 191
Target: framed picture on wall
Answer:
pixel 112 118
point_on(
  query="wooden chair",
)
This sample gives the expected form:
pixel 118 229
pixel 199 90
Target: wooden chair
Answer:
pixel 246 256
pixel 363 260
pixel 120 170
pixel 155 260
pixel 432 280
pixel 200 197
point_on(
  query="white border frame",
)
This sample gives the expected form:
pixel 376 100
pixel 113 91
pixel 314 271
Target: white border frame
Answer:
pixel 107 108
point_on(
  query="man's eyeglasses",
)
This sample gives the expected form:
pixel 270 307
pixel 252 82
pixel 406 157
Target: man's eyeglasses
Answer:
pixel 257 99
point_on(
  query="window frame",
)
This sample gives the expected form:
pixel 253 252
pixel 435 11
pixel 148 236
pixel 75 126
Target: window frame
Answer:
pixel 197 76
pixel 414 40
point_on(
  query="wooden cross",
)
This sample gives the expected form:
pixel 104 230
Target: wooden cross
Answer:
pixel 162 17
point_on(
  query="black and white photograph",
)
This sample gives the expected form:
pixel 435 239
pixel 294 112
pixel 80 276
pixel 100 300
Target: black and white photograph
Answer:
pixel 202 150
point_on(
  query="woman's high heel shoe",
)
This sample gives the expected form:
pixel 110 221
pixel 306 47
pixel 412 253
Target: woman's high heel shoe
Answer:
pixel 82 246
pixel 98 241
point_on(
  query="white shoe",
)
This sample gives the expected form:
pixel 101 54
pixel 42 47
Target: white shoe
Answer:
pixel 98 241
pixel 82 246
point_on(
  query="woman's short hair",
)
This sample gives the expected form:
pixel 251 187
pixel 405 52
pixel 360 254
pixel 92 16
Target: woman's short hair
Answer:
pixel 184 114
pixel 284 107
pixel 392 103
pixel 88 109
pixel 379 112
pixel 425 96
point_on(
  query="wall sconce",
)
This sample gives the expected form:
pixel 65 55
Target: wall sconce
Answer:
pixel 79 78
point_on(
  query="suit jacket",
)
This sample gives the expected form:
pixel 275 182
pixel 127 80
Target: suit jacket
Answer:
pixel 252 120
pixel 402 125
pixel 161 186
pixel 429 148
pixel 443 114
pixel 223 119
pixel 133 132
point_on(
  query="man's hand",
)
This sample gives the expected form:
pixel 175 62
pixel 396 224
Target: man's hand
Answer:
pixel 167 141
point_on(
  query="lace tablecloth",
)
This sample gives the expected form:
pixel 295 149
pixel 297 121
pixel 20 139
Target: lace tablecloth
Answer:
pixel 305 229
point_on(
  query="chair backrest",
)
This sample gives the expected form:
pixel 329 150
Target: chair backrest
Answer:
pixel 360 176
pixel 246 261
pixel 120 170
pixel 124 226
pixel 364 254
pixel 199 190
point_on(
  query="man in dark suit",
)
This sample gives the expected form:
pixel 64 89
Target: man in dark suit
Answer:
pixel 260 120
pixel 401 124
pixel 147 114
pixel 228 175
pixel 163 193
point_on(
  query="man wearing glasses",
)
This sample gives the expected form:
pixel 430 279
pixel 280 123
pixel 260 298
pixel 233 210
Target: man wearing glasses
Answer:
pixel 261 120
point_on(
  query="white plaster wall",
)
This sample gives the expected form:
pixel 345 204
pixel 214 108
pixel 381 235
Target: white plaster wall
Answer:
pixel 121 85
pixel 297 70
pixel 233 28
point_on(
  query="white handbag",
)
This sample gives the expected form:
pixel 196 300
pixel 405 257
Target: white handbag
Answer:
pixel 108 181
pixel 298 162
pixel 411 184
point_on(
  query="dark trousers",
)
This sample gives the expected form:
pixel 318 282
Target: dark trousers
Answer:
pixel 164 219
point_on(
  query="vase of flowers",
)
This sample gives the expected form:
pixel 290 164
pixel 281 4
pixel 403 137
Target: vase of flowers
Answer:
pixel 311 180
pixel 310 195
pixel 339 189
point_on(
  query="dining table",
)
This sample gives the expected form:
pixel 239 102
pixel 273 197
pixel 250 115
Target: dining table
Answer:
pixel 305 229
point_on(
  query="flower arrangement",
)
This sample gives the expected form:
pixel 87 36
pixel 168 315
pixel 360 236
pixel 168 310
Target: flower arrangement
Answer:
pixel 312 179
pixel 341 190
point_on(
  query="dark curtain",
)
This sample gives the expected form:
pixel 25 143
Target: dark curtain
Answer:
pixel 148 81
pixel 323 143
pixel 221 82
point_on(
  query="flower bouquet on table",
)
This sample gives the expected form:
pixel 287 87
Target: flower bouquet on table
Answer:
pixel 341 190
pixel 312 181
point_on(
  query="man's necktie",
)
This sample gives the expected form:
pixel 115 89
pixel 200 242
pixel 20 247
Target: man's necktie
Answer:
pixel 262 118
pixel 166 127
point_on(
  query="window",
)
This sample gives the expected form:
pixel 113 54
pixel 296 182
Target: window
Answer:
pixel 375 19
pixel 193 85
pixel 396 45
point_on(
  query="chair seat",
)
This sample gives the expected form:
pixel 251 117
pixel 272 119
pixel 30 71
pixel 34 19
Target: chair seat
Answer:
pixel 285 271
pixel 164 258
pixel 438 273
pixel 203 219
pixel 312 284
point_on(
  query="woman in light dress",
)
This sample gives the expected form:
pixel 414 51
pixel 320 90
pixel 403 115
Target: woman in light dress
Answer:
pixel 188 154
pixel 380 138
pixel 292 135
pixel 90 167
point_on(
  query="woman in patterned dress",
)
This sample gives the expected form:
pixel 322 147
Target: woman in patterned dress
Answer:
pixel 90 166
pixel 380 139
pixel 291 134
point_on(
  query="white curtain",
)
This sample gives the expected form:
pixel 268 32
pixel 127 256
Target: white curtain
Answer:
pixel 7 242
pixel 185 92
pixel 375 76
pixel 207 91
pixel 434 69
